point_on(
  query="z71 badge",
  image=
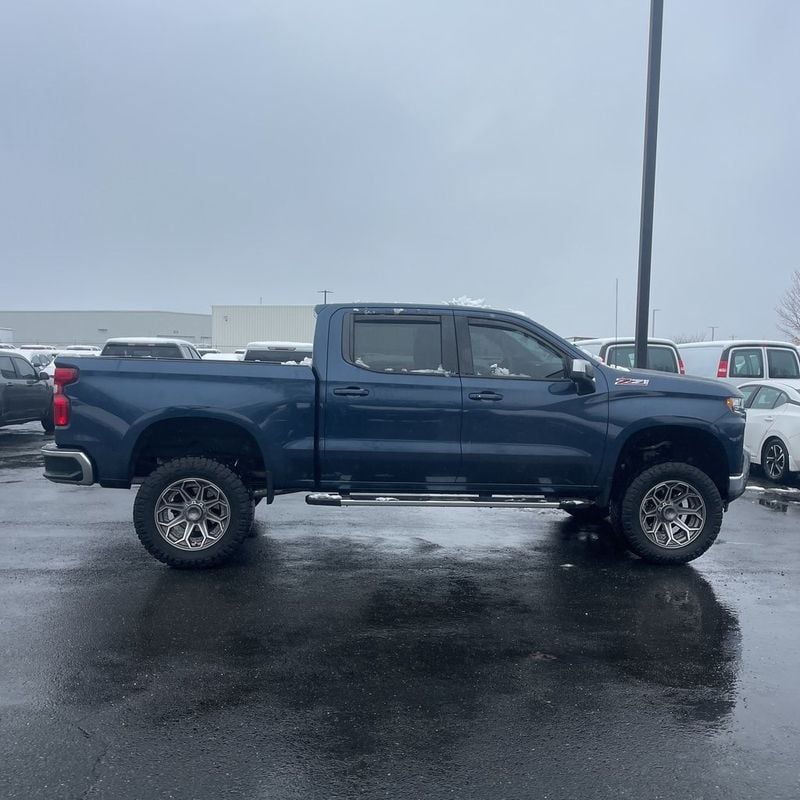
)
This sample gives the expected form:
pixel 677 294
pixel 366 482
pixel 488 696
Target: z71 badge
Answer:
pixel 631 381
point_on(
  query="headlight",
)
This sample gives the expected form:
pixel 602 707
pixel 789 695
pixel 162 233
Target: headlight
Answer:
pixel 736 404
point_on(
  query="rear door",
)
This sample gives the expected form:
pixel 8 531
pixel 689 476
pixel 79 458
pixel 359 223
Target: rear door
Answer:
pixel 10 408
pixel 525 427
pixel 392 402
pixel 32 392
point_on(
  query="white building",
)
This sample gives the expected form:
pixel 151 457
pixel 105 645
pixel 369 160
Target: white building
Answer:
pixel 94 327
pixel 233 327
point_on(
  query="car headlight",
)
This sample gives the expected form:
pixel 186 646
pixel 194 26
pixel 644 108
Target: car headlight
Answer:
pixel 736 404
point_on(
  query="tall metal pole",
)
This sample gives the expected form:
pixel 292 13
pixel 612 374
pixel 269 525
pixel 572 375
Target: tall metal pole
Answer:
pixel 648 180
pixel 653 326
pixel 616 309
pixel 325 293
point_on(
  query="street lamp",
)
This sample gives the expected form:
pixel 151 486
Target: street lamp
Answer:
pixel 325 293
pixel 653 324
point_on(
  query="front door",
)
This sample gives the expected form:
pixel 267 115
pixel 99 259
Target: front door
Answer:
pixel 392 402
pixel 31 391
pixel 526 427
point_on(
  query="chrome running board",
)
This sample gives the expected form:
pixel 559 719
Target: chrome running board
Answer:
pixel 440 500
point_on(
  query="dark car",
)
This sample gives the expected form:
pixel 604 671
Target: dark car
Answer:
pixel 25 394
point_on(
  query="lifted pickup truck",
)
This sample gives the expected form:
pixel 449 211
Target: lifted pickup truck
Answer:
pixel 424 405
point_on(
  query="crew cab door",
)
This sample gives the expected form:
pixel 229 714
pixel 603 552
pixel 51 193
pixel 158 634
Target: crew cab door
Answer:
pixel 10 386
pixel 525 425
pixel 31 392
pixel 391 411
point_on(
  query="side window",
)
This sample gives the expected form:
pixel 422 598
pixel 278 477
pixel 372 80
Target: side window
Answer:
pixel 780 400
pixel 505 352
pixel 412 346
pixel 7 368
pixel 746 362
pixel 782 363
pixel 621 356
pixel 766 398
pixel 24 369
pixel 749 393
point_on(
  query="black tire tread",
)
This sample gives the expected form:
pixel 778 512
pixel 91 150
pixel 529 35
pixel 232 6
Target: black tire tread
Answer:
pixel 625 513
pixel 152 487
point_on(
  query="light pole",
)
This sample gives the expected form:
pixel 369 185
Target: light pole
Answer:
pixel 653 325
pixel 325 293
pixel 713 331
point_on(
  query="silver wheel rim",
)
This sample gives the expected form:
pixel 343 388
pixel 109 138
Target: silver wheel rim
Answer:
pixel 192 514
pixel 672 514
pixel 775 461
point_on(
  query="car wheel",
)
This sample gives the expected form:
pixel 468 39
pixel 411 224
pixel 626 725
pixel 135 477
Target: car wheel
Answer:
pixel 47 420
pixel 669 514
pixel 587 514
pixel 775 460
pixel 193 513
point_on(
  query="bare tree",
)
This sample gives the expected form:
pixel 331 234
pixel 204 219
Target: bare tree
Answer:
pixel 685 338
pixel 789 309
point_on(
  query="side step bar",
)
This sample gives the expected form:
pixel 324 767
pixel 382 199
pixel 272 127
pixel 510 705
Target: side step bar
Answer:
pixel 439 500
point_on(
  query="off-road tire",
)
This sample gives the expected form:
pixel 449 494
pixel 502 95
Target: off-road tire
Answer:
pixel 784 474
pixel 230 484
pixel 587 514
pixel 625 513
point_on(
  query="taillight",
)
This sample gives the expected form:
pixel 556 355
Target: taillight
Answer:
pixel 722 369
pixel 681 368
pixel 62 377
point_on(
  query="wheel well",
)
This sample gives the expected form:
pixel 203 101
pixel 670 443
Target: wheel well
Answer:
pixel 222 441
pixel 671 443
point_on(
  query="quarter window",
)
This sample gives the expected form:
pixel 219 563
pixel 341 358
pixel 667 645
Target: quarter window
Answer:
pixel 782 363
pixel 7 368
pixel 746 362
pixel 503 352
pixel 411 346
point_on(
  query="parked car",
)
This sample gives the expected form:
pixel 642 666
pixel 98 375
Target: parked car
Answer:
pixel 741 360
pixel 427 405
pixel 149 347
pixel 81 350
pixel 204 351
pixel 25 395
pixel 772 432
pixel 279 352
pixel 662 354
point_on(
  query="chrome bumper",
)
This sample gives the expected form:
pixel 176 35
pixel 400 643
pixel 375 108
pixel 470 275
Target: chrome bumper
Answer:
pixel 738 483
pixel 62 465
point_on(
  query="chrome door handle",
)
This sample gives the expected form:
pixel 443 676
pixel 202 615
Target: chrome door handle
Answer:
pixel 769 419
pixel 485 396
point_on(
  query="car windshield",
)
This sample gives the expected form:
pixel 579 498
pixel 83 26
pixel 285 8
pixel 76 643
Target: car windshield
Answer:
pixel 659 357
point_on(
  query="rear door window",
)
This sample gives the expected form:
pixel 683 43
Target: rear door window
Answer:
pixel 746 362
pixel 7 370
pixel 396 345
pixel 24 369
pixel 749 393
pixel 782 363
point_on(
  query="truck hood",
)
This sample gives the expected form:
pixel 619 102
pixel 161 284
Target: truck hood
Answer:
pixel 631 380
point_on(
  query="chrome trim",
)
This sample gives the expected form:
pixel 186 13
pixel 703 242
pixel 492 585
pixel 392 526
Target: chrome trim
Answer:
pixel 83 461
pixel 738 483
pixel 433 500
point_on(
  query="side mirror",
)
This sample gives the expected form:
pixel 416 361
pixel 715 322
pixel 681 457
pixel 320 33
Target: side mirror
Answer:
pixel 582 372
pixel 41 375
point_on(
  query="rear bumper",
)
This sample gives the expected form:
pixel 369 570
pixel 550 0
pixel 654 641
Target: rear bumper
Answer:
pixel 63 465
pixel 738 483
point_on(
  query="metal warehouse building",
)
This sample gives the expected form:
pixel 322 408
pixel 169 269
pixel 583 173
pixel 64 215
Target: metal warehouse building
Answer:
pixel 94 327
pixel 234 326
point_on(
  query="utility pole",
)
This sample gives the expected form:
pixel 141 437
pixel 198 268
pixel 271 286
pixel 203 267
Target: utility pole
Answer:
pixel 713 331
pixel 325 293
pixel 616 309
pixel 653 326
pixel 648 180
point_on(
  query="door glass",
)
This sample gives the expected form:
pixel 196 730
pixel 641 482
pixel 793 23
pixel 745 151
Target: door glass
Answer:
pixel 659 357
pixel 746 362
pixel 411 347
pixel 766 398
pixel 749 393
pixel 782 363
pixel 500 352
pixel 24 369
pixel 7 368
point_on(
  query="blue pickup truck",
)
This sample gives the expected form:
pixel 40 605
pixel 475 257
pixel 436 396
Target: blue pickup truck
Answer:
pixel 422 405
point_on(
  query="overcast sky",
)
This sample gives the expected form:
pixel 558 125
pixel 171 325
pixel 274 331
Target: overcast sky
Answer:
pixel 174 155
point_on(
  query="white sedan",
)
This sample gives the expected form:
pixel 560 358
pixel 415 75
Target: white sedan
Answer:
pixel 772 432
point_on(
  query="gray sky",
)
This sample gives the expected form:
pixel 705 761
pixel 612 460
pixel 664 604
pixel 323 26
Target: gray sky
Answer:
pixel 174 155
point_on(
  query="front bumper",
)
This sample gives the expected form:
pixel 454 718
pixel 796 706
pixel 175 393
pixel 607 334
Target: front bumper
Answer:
pixel 738 483
pixel 63 465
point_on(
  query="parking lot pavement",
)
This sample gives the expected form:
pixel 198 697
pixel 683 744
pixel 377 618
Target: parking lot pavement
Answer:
pixel 392 653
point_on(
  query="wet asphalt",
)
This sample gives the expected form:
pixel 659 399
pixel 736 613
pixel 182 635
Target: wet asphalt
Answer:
pixel 392 653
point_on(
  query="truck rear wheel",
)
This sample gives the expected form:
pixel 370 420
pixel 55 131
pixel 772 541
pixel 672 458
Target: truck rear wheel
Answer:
pixel 192 513
pixel 669 514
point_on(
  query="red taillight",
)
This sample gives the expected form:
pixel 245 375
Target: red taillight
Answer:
pixel 681 367
pixel 62 377
pixel 722 369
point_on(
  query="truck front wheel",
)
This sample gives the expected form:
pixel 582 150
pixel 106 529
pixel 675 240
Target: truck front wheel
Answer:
pixel 669 514
pixel 192 513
